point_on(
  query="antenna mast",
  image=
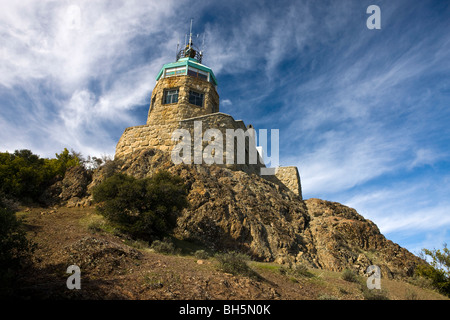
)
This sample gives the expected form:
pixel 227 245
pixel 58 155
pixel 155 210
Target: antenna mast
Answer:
pixel 188 50
pixel 190 35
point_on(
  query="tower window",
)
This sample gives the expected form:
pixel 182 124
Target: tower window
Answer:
pixel 196 98
pixel 170 96
pixel 175 72
pixel 193 72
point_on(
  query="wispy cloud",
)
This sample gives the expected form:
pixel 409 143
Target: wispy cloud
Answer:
pixel 87 70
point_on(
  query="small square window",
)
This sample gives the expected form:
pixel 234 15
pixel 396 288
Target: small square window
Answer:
pixel 170 96
pixel 196 98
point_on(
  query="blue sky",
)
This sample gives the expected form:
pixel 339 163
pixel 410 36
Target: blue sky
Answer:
pixel 364 114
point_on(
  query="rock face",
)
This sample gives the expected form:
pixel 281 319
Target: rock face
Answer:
pixel 69 189
pixel 75 183
pixel 344 239
pixel 234 210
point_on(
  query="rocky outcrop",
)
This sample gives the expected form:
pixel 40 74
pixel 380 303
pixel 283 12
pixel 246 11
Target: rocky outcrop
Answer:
pixel 344 239
pixel 233 210
pixel 69 189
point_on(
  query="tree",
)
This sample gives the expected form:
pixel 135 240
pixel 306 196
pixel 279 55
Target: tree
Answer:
pixel 438 269
pixel 24 175
pixel 67 159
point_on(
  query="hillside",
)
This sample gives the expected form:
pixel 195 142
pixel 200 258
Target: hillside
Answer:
pixel 114 267
pixel 298 249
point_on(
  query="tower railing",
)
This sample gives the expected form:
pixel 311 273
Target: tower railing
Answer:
pixel 190 52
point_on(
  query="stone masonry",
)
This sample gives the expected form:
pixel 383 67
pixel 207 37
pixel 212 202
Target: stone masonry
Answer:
pixel 290 178
pixel 164 118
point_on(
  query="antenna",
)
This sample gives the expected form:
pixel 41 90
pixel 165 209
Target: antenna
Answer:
pixel 190 34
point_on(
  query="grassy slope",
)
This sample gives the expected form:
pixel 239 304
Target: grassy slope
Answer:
pixel 158 276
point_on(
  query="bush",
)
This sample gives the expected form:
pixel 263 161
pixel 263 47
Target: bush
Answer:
pixel 411 295
pixel 235 263
pixel 15 249
pixel 349 275
pixel 438 271
pixel 142 208
pixel 301 270
pixel 420 282
pixel 297 270
pixel 374 294
pixel 166 247
pixel 201 254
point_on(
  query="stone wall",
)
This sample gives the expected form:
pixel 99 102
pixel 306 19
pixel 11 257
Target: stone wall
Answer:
pixel 222 122
pixel 290 177
pixel 140 137
pixel 160 137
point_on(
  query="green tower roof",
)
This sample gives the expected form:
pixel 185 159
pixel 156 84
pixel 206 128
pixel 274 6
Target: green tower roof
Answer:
pixel 187 66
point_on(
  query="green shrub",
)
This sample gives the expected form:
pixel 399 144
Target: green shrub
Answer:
pixel 142 208
pixel 296 271
pixel 374 294
pixel 438 270
pixel 201 254
pixel 420 282
pixel 349 275
pixel 15 249
pixel 166 246
pixel 235 263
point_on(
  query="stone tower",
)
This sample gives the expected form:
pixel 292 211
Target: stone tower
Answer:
pixel 185 94
pixel 184 89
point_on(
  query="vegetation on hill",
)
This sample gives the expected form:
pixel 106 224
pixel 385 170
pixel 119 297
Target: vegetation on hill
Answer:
pixel 438 270
pixel 24 175
pixel 142 208
pixel 15 249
